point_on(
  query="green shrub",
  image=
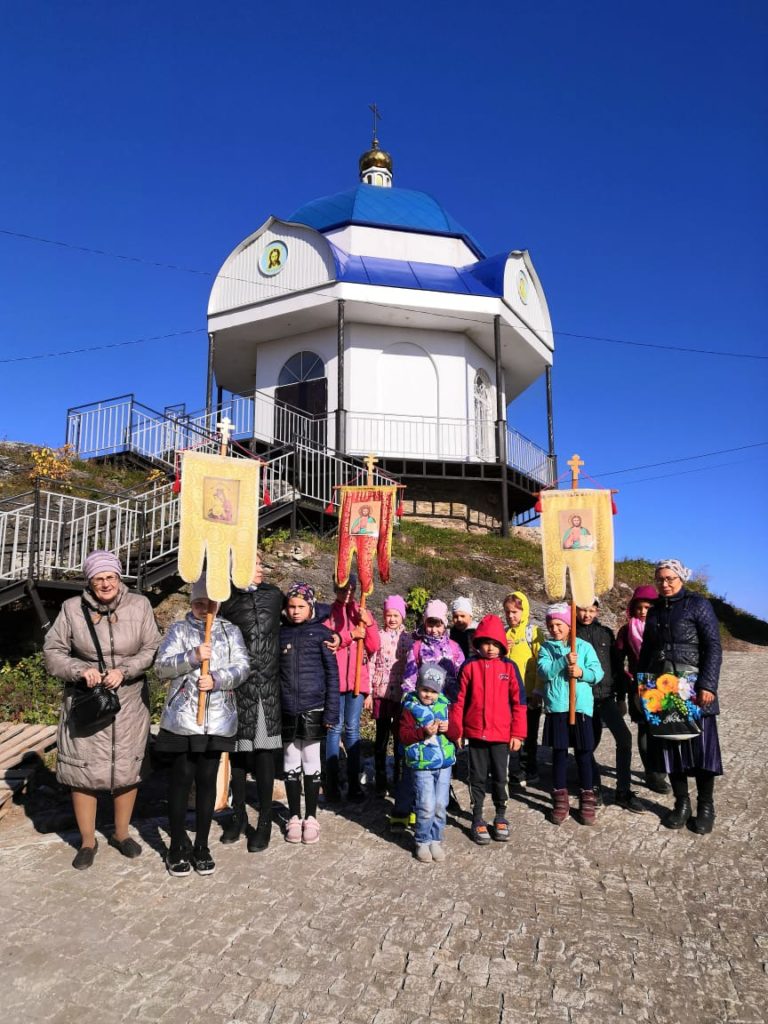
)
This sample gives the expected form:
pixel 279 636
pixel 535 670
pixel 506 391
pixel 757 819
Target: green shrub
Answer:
pixel 28 694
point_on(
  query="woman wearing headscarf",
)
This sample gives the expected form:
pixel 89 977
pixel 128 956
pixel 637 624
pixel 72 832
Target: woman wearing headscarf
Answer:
pixel 682 634
pixel 109 755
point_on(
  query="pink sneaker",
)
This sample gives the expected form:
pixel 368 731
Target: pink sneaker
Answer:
pixel 293 830
pixel 311 831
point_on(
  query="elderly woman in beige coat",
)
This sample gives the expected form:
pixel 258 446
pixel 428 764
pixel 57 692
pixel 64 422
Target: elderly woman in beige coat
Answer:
pixel 109 756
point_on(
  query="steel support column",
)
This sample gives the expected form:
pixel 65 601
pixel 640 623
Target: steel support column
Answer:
pixel 341 414
pixel 551 423
pixel 209 380
pixel 501 427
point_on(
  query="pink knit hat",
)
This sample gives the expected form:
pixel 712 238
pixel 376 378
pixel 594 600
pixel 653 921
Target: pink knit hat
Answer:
pixel 101 561
pixel 561 612
pixel 395 603
pixel 436 610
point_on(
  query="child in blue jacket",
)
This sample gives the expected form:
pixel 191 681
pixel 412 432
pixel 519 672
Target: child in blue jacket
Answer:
pixel 429 753
pixel 554 667
pixel 309 693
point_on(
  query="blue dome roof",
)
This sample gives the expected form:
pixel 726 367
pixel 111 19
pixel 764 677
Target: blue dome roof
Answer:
pixel 399 208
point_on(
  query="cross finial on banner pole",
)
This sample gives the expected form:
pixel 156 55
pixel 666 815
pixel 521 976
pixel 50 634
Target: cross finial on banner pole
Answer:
pixel 575 463
pixel 225 428
pixel 370 461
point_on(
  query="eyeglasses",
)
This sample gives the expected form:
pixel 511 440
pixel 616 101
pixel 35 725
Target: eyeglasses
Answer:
pixel 104 581
pixel 666 579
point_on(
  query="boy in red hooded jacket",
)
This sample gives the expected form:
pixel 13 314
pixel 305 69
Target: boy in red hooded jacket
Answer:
pixel 489 714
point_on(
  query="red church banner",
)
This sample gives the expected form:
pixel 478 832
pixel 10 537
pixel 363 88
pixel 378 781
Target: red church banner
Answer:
pixel 366 520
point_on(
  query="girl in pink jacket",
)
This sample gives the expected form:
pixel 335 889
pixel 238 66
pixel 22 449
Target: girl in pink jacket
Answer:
pixel 352 624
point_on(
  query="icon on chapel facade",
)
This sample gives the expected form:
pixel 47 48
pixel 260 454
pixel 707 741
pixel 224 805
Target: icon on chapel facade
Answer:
pixel 273 258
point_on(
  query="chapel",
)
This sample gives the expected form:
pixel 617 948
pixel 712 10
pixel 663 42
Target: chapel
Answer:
pixel 375 320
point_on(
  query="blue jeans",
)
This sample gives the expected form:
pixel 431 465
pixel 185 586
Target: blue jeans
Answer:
pixel 432 790
pixel 350 709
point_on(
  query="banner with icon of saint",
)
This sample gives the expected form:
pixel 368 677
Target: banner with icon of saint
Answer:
pixel 219 520
pixel 577 539
pixel 366 519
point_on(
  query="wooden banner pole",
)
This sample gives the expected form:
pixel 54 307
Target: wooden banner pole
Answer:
pixel 575 463
pixel 225 429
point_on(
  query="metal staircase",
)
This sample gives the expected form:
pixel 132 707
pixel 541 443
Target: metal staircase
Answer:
pixel 46 533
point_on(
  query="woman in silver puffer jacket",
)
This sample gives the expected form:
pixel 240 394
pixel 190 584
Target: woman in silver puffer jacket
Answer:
pixel 197 749
pixel 111 755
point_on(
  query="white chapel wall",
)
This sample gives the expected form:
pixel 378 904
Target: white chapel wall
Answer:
pixel 410 393
pixel 402 245
pixel 243 280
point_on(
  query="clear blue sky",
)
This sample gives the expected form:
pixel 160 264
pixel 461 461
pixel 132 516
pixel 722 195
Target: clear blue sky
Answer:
pixel 624 145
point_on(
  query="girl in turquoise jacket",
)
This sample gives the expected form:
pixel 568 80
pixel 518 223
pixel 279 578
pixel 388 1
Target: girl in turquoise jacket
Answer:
pixel 554 666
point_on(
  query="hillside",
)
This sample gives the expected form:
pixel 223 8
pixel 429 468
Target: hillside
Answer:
pixel 444 560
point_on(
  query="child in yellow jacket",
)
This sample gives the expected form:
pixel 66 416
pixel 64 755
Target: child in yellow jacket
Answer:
pixel 524 642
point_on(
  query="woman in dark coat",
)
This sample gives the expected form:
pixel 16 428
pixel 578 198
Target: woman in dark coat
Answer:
pixel 682 634
pixel 256 612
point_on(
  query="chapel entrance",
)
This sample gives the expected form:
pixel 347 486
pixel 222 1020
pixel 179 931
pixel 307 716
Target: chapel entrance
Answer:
pixel 301 400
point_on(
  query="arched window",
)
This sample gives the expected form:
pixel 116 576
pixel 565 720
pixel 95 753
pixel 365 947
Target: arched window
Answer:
pixel 303 366
pixel 484 448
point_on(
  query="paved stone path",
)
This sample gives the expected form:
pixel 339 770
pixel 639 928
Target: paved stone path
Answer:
pixel 626 921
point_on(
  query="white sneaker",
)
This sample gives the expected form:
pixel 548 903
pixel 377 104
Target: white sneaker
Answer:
pixel 438 852
pixel 424 853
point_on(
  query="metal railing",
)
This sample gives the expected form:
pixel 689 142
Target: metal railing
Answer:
pixel 318 474
pixel 527 457
pixel 124 425
pixel 46 534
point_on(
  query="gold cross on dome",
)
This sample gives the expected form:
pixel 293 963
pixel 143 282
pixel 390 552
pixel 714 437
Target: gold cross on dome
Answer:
pixel 575 463
pixel 376 117
pixel 370 461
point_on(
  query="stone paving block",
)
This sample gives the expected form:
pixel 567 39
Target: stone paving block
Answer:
pixel 587 915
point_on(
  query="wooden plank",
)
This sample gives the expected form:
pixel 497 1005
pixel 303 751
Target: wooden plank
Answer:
pixel 14 729
pixel 17 746
pixel 39 745
pixel 31 732
pixel 20 731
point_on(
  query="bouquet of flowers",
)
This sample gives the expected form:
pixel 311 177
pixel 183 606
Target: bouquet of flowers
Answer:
pixel 669 703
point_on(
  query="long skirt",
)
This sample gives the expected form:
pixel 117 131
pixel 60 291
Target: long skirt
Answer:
pixel 702 752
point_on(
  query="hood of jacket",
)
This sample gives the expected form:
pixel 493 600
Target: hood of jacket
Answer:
pixel 491 628
pixel 517 632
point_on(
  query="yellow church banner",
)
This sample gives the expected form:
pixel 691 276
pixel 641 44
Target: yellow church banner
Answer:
pixel 577 537
pixel 219 508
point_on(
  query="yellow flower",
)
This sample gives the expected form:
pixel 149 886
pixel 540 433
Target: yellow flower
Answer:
pixel 667 683
pixel 653 700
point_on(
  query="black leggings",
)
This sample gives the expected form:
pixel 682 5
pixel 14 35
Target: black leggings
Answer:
pixel 187 768
pixel 705 785
pixel 583 767
pixel 260 764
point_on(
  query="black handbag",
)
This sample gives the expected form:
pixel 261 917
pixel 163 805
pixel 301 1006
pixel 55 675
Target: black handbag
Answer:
pixel 93 705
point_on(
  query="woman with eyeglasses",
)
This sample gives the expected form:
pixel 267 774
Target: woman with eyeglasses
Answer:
pixel 682 634
pixel 106 636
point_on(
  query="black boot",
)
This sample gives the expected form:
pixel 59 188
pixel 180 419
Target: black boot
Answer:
pixel 657 782
pixel 679 814
pixel 236 825
pixel 704 821
pixel 258 838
